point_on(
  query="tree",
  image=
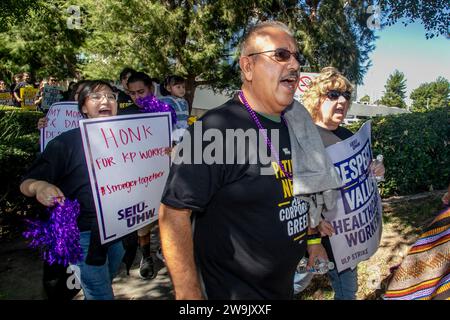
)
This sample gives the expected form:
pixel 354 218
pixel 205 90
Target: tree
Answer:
pixel 395 90
pixel 366 99
pixel 195 39
pixel 12 11
pixel 199 39
pixel 430 96
pixel 432 13
pixel 42 45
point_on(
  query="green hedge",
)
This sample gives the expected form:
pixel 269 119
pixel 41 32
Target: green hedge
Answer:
pixel 415 149
pixel 19 144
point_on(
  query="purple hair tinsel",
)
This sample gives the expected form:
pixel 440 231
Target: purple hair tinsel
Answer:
pixel 58 238
pixel 151 104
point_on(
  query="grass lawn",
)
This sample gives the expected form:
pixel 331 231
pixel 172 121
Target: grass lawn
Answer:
pixel 403 221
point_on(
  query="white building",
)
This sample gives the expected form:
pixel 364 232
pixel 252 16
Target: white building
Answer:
pixel 205 99
pixel 360 111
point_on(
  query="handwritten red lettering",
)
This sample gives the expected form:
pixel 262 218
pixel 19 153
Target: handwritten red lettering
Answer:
pixel 129 185
pixel 53 112
pixel 126 136
pixel 71 124
pixel 108 138
pixel 128 156
pixel 146 180
pixel 104 162
pixel 49 134
pixel 73 114
pixel 150 153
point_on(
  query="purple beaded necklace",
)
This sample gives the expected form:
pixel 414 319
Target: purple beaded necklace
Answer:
pixel 261 129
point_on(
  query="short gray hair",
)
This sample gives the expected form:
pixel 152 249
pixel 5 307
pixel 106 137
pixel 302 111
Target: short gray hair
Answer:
pixel 258 29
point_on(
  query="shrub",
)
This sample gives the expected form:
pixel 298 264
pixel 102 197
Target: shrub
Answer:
pixel 19 144
pixel 415 150
pixel 18 122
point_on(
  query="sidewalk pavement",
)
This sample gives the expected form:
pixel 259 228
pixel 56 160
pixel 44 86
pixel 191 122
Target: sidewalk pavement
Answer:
pixel 21 276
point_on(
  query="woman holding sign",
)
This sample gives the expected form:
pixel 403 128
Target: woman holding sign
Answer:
pixel 60 172
pixel 328 100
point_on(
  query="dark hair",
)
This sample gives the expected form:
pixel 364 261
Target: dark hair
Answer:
pixel 88 87
pixel 125 72
pixel 171 80
pixel 74 88
pixel 71 84
pixel 140 76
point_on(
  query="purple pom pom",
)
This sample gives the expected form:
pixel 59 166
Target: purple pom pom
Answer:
pixel 59 237
pixel 151 104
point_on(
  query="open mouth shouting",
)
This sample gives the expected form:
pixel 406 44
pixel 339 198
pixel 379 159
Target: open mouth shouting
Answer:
pixel 290 81
pixel 105 111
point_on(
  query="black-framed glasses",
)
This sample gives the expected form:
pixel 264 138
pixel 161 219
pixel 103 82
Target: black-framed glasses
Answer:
pixel 283 55
pixel 335 94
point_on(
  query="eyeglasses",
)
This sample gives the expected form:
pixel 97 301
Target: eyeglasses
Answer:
pixel 283 55
pixel 335 94
pixel 97 97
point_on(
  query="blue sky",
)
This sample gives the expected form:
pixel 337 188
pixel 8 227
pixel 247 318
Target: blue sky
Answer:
pixel 405 49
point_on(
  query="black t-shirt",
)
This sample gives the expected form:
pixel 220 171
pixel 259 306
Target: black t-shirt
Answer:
pixel 124 100
pixel 249 231
pixel 330 137
pixel 63 164
pixel 130 109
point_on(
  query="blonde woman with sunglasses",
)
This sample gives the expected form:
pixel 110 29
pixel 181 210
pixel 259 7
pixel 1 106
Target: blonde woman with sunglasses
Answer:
pixel 328 99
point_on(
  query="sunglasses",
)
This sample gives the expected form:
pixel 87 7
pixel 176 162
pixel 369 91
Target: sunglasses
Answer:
pixel 283 55
pixel 335 94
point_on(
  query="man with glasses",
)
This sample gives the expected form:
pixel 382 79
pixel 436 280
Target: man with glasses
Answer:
pixel 248 232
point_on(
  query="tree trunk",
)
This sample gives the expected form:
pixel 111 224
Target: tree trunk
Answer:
pixel 190 91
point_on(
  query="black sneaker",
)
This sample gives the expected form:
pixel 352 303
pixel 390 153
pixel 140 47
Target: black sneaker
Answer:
pixel 147 269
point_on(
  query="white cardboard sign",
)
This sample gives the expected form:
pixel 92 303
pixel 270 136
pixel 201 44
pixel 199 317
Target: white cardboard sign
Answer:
pixel 128 166
pixel 357 216
pixel 61 117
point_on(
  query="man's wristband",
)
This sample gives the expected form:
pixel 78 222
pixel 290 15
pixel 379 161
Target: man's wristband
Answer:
pixel 314 241
pixel 314 238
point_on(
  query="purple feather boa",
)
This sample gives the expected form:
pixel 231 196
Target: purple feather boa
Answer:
pixel 58 238
pixel 151 104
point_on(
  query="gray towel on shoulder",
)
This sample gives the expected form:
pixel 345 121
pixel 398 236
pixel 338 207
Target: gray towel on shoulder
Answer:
pixel 314 176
